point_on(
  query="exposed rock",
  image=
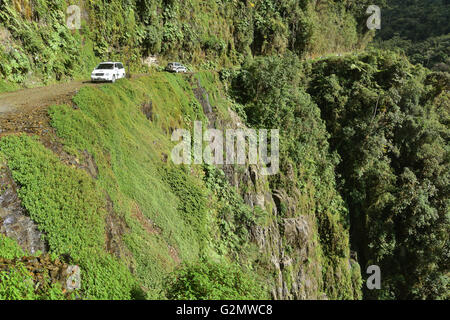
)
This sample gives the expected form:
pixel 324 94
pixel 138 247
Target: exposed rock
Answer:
pixel 150 61
pixel 115 229
pixel 298 235
pixel 45 271
pixel 14 220
pixel 174 254
pixel 5 35
pixel 89 164
pixel 145 222
pixel 147 109
pixel 287 238
pixel 290 245
pixel 203 98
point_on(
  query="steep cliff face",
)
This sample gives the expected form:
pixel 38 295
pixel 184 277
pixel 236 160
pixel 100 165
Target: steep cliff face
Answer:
pixel 296 272
pixel 38 46
pixel 289 244
pixel 289 237
pixel 14 220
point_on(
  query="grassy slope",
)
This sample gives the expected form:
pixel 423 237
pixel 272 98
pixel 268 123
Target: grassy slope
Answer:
pixel 171 214
pixel 68 204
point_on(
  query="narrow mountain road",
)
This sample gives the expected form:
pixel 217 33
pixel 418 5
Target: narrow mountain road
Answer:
pixel 25 110
pixel 26 100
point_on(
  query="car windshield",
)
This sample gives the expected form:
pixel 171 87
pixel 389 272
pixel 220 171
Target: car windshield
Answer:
pixel 105 66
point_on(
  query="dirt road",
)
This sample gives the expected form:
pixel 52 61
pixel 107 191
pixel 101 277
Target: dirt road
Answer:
pixel 26 100
pixel 25 111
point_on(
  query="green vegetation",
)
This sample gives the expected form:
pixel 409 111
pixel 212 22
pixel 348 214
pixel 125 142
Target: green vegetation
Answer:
pixel 364 154
pixel 162 209
pixel 416 20
pixel 16 283
pixel 36 45
pixel 420 29
pixel 235 217
pixel 9 249
pixel 212 281
pixel 69 209
pixel 32 51
pixel 7 86
pixel 128 150
pixel 269 88
pixel 388 121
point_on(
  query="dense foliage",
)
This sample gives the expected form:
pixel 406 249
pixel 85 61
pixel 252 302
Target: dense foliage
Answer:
pixel 269 88
pixel 69 208
pixel 36 45
pixel 159 212
pixel 211 280
pixel 418 28
pixel 416 20
pixel 365 159
pixel 16 282
pixel 389 122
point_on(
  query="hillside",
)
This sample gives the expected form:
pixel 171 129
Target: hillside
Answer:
pixel 37 47
pixel 88 179
pixel 420 29
pixel 138 211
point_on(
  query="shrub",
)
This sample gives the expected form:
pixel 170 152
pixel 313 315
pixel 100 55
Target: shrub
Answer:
pixel 212 281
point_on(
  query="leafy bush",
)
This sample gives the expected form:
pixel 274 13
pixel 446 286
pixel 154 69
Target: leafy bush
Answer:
pixel 17 284
pixel 224 32
pixel 234 217
pixel 212 281
pixel 69 208
pixel 9 249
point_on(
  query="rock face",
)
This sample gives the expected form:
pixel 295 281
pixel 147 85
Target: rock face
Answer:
pixel 14 221
pixel 150 61
pixel 16 224
pixel 288 243
pixel 44 271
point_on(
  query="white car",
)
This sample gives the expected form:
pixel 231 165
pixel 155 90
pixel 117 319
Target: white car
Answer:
pixel 108 71
pixel 181 69
pixel 176 67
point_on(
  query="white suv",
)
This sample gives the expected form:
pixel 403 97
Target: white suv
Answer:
pixel 176 67
pixel 108 71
